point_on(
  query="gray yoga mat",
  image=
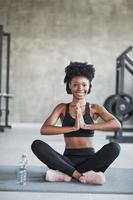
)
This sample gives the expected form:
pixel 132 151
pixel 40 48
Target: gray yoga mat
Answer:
pixel 119 181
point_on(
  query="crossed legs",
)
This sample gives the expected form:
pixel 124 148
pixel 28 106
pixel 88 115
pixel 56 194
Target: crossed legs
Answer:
pixel 98 162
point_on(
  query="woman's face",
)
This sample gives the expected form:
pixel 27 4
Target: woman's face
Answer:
pixel 79 86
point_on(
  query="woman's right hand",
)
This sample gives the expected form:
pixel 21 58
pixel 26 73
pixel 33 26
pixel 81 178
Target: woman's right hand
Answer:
pixel 77 120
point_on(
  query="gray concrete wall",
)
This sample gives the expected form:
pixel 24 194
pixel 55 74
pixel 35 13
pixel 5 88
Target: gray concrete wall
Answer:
pixel 47 34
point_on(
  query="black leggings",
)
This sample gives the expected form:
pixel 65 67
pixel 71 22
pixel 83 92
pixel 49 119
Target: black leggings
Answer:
pixel 82 160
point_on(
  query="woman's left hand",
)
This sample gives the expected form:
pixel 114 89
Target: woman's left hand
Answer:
pixel 80 116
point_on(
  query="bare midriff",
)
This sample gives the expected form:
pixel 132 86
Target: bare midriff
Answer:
pixel 78 142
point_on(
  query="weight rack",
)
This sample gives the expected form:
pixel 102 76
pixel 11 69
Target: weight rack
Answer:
pixel 6 95
pixel 123 62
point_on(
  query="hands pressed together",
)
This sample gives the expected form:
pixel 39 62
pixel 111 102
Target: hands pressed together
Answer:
pixel 79 121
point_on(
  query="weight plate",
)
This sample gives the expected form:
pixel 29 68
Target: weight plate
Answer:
pixel 120 106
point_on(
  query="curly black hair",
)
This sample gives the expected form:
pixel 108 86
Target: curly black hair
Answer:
pixel 78 69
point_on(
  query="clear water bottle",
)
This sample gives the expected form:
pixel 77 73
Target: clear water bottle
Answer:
pixel 22 170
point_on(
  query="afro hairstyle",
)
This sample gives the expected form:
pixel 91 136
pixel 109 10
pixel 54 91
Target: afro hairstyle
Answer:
pixel 78 69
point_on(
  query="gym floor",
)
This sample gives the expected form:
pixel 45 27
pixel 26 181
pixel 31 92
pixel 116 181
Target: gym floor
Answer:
pixel 15 141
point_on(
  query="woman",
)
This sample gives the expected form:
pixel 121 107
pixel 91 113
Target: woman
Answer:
pixel 79 161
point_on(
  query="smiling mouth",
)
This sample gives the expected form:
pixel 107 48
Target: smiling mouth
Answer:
pixel 79 93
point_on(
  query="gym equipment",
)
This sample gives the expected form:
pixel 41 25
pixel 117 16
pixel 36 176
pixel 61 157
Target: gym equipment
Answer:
pixel 120 104
pixel 5 39
pixel 119 181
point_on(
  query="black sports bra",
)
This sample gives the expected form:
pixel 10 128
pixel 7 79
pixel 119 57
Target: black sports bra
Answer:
pixel 70 121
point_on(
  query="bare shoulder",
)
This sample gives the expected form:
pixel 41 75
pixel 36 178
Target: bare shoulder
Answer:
pixel 56 113
pixel 60 107
pixel 60 110
pixel 97 111
pixel 96 107
pixel 100 111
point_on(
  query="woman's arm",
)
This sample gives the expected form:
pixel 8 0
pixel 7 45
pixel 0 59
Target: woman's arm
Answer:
pixel 49 126
pixel 110 123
